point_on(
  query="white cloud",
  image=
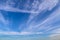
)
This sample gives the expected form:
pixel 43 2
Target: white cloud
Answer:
pixel 37 6
pixel 30 33
pixel 18 33
pixel 52 18
pixel 8 33
pixel 47 4
pixel 52 4
pixel 7 8
pixel 44 6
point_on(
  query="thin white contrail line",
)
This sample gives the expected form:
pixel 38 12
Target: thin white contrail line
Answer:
pixel 15 10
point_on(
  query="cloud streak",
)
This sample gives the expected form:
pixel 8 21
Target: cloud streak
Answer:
pixel 2 19
pixel 18 33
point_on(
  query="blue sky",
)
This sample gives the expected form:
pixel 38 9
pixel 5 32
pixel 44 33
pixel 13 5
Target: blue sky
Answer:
pixel 19 17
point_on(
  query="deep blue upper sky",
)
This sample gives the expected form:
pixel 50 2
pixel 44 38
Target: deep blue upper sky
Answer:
pixel 16 18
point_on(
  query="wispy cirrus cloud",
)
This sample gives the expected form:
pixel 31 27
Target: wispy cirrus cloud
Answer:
pixel 49 24
pixel 8 6
pixel 18 33
pixel 43 7
pixel 37 8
